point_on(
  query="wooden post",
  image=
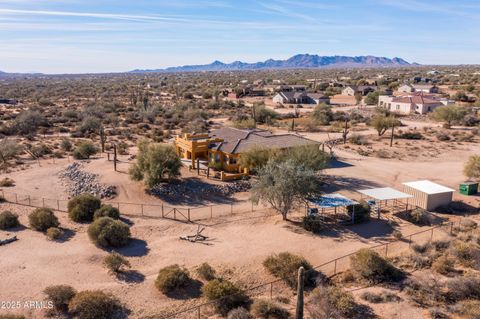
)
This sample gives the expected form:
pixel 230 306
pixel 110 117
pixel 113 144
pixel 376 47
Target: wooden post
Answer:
pixel 102 138
pixel 29 201
pixel 115 157
pixel 58 205
pixel 188 214
pixel 198 166
pixel 300 286
pixel 142 208
pixel 43 202
pixel 162 212
pixel 391 137
pixel 211 212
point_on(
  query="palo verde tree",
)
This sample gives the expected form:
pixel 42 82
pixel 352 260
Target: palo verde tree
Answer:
pixel 155 163
pixel 449 114
pixel 382 123
pixel 283 185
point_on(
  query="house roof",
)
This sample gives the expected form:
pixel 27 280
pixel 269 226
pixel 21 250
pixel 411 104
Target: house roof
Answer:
pixel 416 99
pixel 429 187
pixel 237 140
pixel 384 193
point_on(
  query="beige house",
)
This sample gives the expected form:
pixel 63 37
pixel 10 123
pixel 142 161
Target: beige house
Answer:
pixel 428 195
pixel 418 104
pixel 405 88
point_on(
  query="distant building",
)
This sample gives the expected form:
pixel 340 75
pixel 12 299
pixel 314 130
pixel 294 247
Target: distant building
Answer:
pixel 426 88
pixel 406 88
pixel 419 104
pixel 291 88
pixel 363 90
pixel 290 97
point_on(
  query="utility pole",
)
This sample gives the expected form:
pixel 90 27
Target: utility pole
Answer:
pixel 300 288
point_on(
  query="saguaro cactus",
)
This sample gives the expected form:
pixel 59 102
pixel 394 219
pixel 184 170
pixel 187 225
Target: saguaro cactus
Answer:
pixel 300 288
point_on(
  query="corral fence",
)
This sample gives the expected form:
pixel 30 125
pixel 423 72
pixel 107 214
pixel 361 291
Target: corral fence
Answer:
pixel 178 213
pixel 277 288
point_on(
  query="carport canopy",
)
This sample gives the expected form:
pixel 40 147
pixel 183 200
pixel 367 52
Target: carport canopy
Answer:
pixel 332 201
pixel 384 193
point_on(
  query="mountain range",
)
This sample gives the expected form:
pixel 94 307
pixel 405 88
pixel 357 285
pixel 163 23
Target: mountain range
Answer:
pixel 299 61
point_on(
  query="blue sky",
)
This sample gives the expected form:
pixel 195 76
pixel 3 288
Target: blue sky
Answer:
pixel 78 36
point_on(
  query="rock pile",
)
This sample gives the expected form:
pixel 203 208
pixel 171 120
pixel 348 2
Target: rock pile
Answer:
pixel 195 187
pixel 79 182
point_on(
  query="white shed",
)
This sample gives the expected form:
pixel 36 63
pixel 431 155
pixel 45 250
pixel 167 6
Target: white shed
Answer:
pixel 428 195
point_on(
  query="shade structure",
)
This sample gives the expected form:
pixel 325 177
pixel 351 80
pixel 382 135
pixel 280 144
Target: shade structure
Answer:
pixel 384 193
pixel 332 200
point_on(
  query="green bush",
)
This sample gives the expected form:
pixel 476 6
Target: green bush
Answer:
pixel 82 208
pixel 42 219
pixel 267 309
pixel 115 262
pixel 54 233
pixel 8 220
pixel 285 266
pixel 362 211
pixel 419 216
pixel 206 272
pixel 332 302
pixel 239 313
pixel 228 295
pixel 312 224
pixel 107 211
pixel 60 295
pixel 94 305
pixel 84 150
pixel 171 278
pixel 369 265
pixel 108 232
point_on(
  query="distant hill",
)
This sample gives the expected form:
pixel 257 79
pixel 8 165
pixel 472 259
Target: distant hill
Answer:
pixel 298 61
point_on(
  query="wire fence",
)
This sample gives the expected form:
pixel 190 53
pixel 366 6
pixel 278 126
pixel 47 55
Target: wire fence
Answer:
pixel 178 213
pixel 277 288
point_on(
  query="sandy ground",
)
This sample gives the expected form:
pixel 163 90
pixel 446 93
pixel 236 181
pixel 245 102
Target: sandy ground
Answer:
pixel 239 244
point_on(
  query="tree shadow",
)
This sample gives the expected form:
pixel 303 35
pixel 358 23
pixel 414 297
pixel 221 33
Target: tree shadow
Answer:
pixel 15 229
pixel 335 183
pixel 67 235
pixel 131 276
pixel 192 290
pixel 136 248
pixel 194 191
pixel 127 221
pixel 335 163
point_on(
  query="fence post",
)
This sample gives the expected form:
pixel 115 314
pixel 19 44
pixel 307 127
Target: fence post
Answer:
pixel 58 205
pixel 199 312
pixel 43 202
pixel 335 268
pixel 451 228
pixel 431 235
pixel 386 249
pixel 141 205
pixel 231 209
pixel 252 207
pixel 211 212
pixel 3 194
pixel 16 198
pixel 271 290
pixel 188 214
pixel 175 213
pixel 162 211
pixel 29 201
pixel 410 241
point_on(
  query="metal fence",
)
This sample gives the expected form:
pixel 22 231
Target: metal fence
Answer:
pixel 277 288
pixel 185 214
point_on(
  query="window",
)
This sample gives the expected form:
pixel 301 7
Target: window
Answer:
pixel 217 157
pixel 232 160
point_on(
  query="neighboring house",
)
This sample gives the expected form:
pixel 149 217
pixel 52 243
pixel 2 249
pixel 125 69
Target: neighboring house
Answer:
pixel 363 90
pixel 426 88
pixel 300 98
pixel 291 88
pixel 418 104
pixel 343 100
pixel 223 147
pixel 406 88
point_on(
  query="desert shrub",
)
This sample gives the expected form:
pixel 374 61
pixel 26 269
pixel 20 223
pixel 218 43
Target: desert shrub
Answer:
pixel 443 265
pixel 9 149
pixel 84 150
pixel 107 211
pixel 239 313
pixel 397 234
pixel 115 262
pixel 66 145
pixel 42 219
pixel 369 265
pixel 54 233
pixel 108 232
pixel 285 266
pixel 424 291
pixel 470 309
pixel 419 216
pixel 228 295
pixel 411 135
pixel 331 302
pixel 358 139
pixel 267 309
pixel 7 182
pixel 312 224
pixel 442 136
pixel 8 220
pixel 463 288
pixel 465 253
pixel 94 305
pixel 60 296
pixel 172 277
pixel 380 297
pixel 82 207
pixel 362 211
pixel 206 272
